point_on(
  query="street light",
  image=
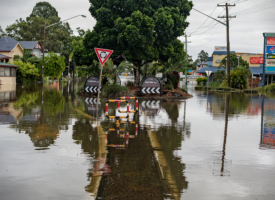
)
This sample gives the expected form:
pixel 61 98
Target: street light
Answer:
pixel 45 37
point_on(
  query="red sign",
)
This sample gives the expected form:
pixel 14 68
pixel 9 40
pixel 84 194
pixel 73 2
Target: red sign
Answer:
pixel 256 60
pixel 270 41
pixel 103 54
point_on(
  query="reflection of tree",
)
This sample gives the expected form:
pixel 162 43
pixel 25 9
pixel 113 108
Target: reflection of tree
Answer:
pixel 41 122
pixel 170 138
pixel 172 109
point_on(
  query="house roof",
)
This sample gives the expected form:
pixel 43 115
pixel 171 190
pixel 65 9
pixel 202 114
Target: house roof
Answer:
pixel 28 44
pixel 7 43
pixel 3 56
pixel 7 65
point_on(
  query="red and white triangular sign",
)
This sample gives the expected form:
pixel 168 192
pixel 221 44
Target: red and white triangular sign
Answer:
pixel 103 54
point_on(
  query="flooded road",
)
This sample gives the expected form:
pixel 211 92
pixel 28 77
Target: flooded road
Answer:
pixel 211 146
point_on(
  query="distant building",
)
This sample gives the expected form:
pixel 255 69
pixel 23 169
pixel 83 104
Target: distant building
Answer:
pixel 9 48
pixel 255 61
pixel 201 65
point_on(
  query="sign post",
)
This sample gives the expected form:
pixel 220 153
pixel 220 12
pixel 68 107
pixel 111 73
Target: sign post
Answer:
pixel 208 73
pixel 102 55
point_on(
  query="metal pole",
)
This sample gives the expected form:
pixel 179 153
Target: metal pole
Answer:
pixel 228 47
pixel 99 87
pixel 43 54
pixel 186 59
pixel 263 81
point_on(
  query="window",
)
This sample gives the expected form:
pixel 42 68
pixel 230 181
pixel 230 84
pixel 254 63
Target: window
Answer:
pixel 7 71
pixel 13 72
pixel 2 71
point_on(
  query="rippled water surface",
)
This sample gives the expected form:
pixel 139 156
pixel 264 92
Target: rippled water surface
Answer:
pixel 211 146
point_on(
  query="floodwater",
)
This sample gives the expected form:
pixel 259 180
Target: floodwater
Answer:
pixel 212 146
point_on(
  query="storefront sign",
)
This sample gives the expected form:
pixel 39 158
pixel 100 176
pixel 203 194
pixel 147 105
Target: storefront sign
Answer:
pixel 256 60
pixel 270 41
pixel 270 56
pixel 270 49
pixel 269 34
pixel 220 48
pixel 270 62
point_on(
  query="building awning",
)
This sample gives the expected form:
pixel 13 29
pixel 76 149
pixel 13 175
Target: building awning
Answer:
pixel 256 70
pixel 7 65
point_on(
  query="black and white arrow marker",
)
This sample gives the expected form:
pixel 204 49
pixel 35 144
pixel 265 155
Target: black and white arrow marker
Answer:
pixel 92 101
pixel 150 90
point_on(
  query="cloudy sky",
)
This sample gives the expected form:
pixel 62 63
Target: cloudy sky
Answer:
pixel 253 18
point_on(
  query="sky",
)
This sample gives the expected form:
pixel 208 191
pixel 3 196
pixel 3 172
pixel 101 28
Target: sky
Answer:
pixel 253 17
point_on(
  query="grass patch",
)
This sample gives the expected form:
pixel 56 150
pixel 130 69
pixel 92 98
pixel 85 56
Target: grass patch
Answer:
pixel 114 91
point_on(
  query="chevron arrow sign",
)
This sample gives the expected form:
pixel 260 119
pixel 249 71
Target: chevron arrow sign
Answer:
pixel 150 90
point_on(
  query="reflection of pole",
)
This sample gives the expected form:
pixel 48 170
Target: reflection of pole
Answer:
pixel 99 87
pixel 184 114
pixel 225 132
pixel 262 120
pixel 263 79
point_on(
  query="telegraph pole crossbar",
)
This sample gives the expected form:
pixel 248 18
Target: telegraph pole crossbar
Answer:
pixel 228 43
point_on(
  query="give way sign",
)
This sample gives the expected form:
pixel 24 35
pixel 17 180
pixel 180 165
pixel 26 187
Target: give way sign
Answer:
pixel 103 54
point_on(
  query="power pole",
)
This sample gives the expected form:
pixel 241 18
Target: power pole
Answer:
pixel 228 43
pixel 186 57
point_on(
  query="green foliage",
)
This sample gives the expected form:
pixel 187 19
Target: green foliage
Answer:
pixel 224 84
pixel 32 28
pixel 174 78
pixel 214 84
pixel 2 32
pixel 203 56
pixel 129 83
pixel 201 80
pixel 169 85
pixel 139 31
pixel 54 66
pixel 270 89
pixel 114 91
pixel 26 72
pixel 219 76
pixel 238 79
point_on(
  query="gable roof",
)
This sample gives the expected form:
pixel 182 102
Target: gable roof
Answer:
pixel 30 45
pixel 7 43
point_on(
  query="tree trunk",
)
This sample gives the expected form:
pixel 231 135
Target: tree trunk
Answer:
pixel 137 76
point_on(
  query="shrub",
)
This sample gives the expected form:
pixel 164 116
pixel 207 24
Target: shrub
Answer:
pixel 269 88
pixel 80 87
pixel 214 84
pixel 169 86
pixel 114 91
pixel 174 78
pixel 224 84
pixel 238 79
pixel 219 76
pixel 202 80
pixel 129 83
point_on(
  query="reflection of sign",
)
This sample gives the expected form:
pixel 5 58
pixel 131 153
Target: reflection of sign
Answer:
pixel 270 62
pixel 220 48
pixel 270 49
pixel 103 54
pixel 270 56
pixel 92 101
pixel 256 60
pixel 92 84
pixel 151 107
pixel 270 41
pixel 150 85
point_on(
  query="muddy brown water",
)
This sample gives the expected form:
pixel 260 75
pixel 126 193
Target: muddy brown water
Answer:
pixel 211 146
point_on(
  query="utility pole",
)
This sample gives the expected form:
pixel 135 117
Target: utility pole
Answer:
pixel 186 56
pixel 228 43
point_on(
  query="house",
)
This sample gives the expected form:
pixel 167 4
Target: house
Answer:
pixel 9 47
pixel 34 46
pixel 201 65
pixel 8 75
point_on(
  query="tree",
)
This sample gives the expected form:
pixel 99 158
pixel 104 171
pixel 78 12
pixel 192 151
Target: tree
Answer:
pixel 234 62
pixel 32 28
pixel 54 65
pixel 203 56
pixel 2 32
pixel 138 31
pixel 26 72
